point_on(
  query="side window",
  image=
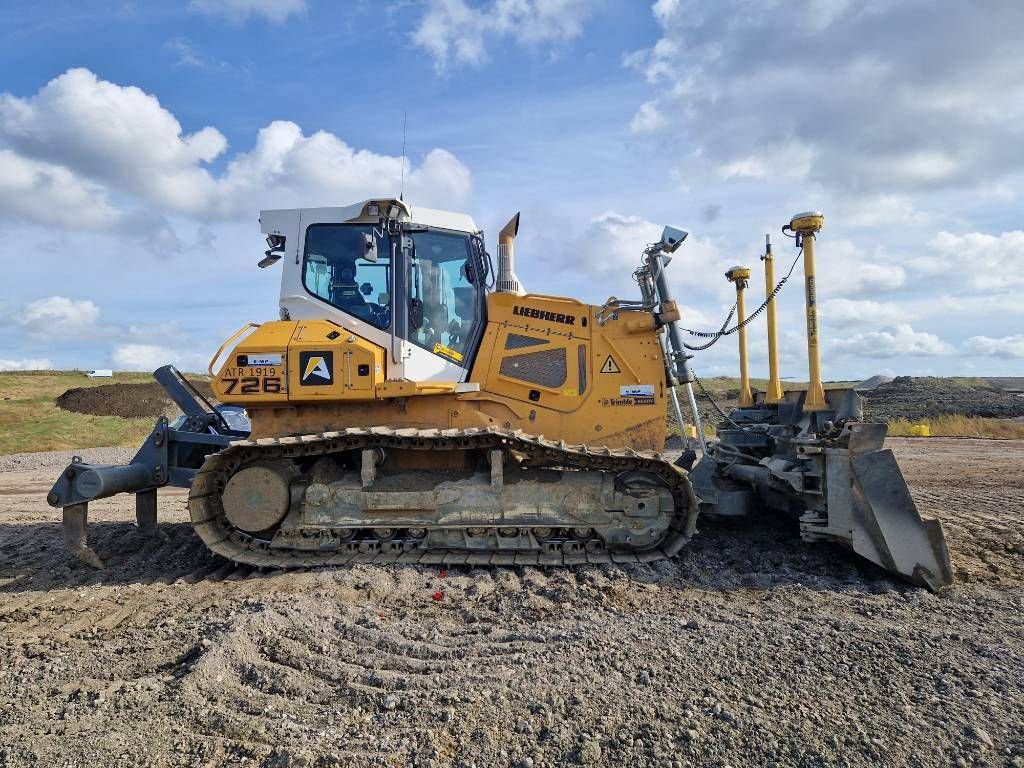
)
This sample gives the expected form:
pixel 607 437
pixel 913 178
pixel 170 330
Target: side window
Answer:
pixel 334 270
pixel 439 279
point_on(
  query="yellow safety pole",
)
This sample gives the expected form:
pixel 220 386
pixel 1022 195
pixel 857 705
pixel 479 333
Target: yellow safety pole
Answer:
pixel 806 225
pixel 740 276
pixel 774 392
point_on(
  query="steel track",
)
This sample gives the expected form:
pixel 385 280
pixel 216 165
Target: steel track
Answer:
pixel 221 537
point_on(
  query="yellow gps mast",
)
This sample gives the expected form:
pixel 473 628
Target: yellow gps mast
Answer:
pixel 805 226
pixel 774 392
pixel 740 276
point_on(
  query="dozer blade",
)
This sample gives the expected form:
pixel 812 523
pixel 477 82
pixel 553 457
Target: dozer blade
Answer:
pixel 890 530
pixel 868 508
pixel 845 488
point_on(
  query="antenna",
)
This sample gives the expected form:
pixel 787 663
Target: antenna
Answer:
pixel 405 117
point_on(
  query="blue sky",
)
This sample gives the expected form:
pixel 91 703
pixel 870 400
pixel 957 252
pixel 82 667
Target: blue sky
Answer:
pixel 139 140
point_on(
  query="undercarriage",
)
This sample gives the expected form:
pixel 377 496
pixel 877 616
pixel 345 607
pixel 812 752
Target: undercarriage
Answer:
pixel 452 496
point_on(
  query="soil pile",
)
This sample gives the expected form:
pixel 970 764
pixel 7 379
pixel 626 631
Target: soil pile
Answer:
pixel 904 397
pixel 924 397
pixel 129 401
pixel 873 382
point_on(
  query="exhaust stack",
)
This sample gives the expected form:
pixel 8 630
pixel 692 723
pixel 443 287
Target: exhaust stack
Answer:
pixel 507 281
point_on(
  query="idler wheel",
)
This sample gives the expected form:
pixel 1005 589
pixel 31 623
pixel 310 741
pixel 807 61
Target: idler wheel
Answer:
pixel 256 497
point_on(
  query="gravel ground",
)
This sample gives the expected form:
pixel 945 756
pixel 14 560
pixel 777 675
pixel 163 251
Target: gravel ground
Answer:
pixel 749 649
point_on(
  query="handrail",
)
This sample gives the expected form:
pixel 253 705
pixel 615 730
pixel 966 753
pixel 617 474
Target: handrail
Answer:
pixel 560 299
pixel 220 349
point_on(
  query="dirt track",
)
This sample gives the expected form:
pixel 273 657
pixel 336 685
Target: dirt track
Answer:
pixel 750 649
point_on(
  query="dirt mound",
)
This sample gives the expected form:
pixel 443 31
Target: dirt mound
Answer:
pixel 1010 383
pixel 873 383
pixel 129 401
pixel 924 397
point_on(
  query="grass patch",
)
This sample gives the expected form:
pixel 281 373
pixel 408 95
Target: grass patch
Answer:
pixel 962 426
pixel 29 420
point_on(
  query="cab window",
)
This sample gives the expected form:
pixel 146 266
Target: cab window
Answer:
pixel 440 279
pixel 334 270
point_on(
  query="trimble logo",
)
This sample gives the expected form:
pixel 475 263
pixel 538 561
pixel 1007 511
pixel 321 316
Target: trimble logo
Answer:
pixel 543 314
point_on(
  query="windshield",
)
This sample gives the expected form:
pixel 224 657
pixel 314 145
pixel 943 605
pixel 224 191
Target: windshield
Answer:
pixel 440 279
pixel 334 270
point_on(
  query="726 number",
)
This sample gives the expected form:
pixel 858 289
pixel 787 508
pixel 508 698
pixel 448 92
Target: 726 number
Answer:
pixel 252 385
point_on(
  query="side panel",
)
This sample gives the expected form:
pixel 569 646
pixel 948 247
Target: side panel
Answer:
pixel 300 361
pixel 255 371
pixel 628 398
pixel 570 376
pixel 540 350
pixel 324 364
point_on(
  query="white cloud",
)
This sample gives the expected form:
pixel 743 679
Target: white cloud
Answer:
pixel 81 142
pixel 844 268
pixel 117 136
pixel 321 169
pixel 976 260
pixel 189 56
pixel 853 313
pixel 46 194
pixel 879 210
pixel 607 251
pixel 899 341
pixel 149 357
pixel 663 9
pixel 26 364
pixel 847 86
pixel 791 160
pixel 647 119
pixel 240 10
pixel 455 30
pixel 58 316
pixel 1007 346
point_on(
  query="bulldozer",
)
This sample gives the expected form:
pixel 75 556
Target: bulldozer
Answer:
pixel 414 404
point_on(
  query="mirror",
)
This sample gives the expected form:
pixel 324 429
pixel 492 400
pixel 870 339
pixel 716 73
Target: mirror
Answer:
pixel 369 247
pixel 415 314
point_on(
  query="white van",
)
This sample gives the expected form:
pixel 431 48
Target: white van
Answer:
pixel 102 373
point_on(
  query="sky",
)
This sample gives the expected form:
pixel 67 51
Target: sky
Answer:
pixel 139 140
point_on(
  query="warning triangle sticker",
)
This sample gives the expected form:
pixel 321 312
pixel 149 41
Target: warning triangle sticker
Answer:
pixel 610 366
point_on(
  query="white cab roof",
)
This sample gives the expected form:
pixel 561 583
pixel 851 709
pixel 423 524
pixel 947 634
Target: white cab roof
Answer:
pixel 279 221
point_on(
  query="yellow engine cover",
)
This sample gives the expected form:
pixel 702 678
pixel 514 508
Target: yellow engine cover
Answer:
pixel 300 361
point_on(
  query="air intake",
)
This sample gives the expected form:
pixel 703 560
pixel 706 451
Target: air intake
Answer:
pixel 507 281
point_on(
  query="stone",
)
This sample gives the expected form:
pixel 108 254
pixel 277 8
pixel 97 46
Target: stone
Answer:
pixel 590 752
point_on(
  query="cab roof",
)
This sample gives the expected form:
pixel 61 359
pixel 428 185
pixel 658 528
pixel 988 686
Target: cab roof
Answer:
pixel 368 212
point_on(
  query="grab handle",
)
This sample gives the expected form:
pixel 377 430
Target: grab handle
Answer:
pixel 220 349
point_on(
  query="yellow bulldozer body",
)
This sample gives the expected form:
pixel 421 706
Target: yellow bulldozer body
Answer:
pixel 545 366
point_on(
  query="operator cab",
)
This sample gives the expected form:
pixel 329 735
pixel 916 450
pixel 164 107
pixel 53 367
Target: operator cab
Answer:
pixel 413 280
